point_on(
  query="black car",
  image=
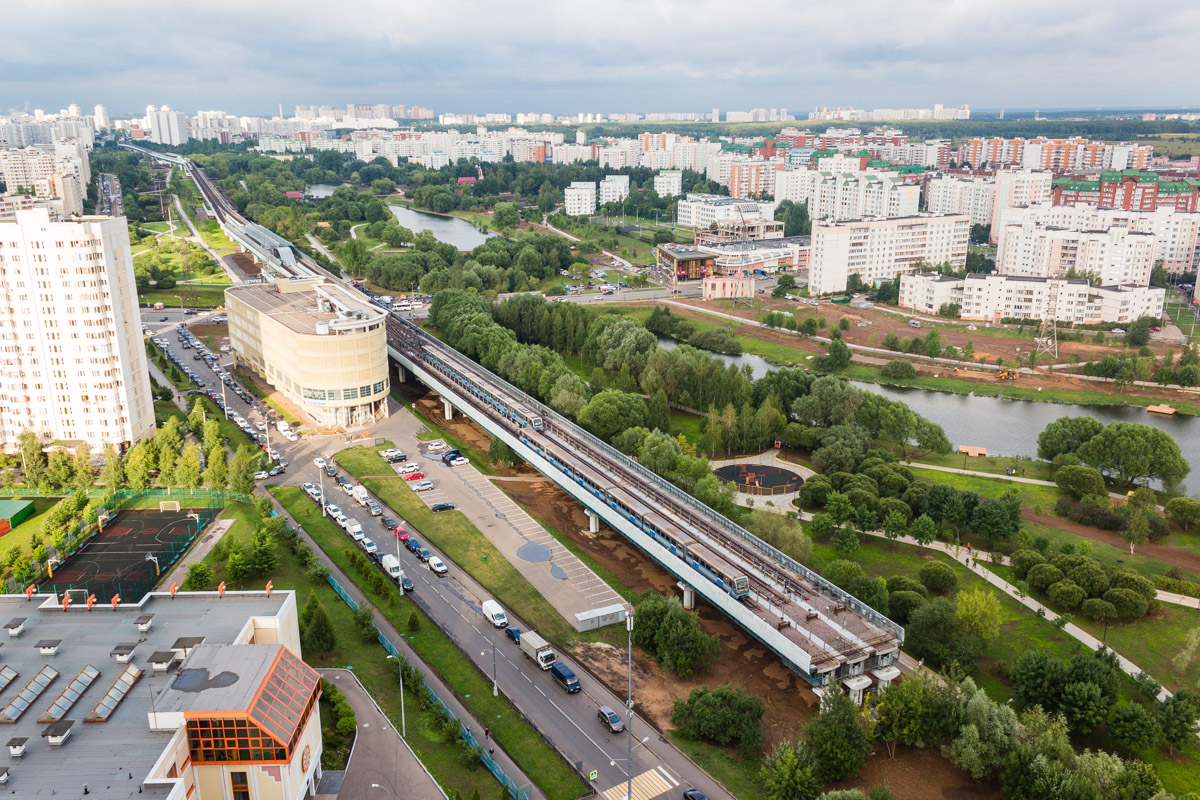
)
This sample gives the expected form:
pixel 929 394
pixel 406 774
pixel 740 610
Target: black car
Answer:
pixel 164 319
pixel 693 794
pixel 388 523
pixel 406 584
pixel 442 507
pixel 330 470
pixel 424 554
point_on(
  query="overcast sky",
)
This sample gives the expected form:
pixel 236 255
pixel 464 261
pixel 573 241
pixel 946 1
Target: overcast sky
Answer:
pixel 247 56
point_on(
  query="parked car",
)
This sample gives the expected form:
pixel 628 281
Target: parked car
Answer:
pixel 278 469
pixel 330 470
pixel 514 633
pixel 333 510
pixel 262 426
pixel 164 319
pixel 388 523
pixel 422 486
pixel 437 565
pixel 414 476
pixel 611 719
pixel 320 462
pixel 310 489
pixel 412 544
pixel 424 554
pixel 458 461
pixel 1118 331
pixel 442 507
pixel 693 794
pixel 406 584
pixel 261 475
pixel 407 468
pixel 291 436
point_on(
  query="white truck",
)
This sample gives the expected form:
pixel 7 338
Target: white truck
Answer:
pixel 538 649
pixel 494 613
pixel 359 493
pixel 391 565
pixel 282 426
pixel 354 528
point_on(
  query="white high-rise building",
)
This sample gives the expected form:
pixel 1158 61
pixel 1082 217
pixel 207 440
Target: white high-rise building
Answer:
pixel 166 125
pixel 73 361
pixel 58 173
pixel 580 199
pixel 974 196
pixel 614 189
pixel 702 210
pixel 883 249
pixel 841 188
pixel 1019 187
pixel 668 183
pixel 1031 248
pixel 100 118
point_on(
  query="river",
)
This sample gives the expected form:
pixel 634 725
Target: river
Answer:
pixel 1005 427
pixel 451 230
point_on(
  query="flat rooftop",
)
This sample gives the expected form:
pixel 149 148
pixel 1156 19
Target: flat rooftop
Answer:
pixel 104 754
pixel 301 310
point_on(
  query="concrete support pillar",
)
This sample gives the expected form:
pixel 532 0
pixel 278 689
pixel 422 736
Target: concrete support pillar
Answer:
pixel 689 595
pixel 593 521
pixel 401 374
pixel 449 409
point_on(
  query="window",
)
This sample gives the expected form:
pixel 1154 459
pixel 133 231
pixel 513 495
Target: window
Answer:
pixel 240 784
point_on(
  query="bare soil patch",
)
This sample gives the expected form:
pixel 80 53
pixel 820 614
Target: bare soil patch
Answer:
pixel 1176 557
pixel 247 264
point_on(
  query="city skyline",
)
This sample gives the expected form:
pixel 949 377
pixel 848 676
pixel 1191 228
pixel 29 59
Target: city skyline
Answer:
pixel 248 58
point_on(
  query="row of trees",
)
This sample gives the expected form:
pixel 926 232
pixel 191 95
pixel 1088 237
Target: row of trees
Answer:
pixel 1126 452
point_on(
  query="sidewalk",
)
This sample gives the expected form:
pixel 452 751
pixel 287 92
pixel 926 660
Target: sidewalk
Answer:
pixel 380 757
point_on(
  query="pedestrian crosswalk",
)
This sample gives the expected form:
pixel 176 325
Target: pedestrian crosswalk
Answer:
pixel 649 784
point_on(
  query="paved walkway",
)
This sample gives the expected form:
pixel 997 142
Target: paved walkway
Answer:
pixel 557 574
pixel 212 535
pixel 380 757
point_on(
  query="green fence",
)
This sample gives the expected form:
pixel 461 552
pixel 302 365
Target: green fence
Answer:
pixel 164 494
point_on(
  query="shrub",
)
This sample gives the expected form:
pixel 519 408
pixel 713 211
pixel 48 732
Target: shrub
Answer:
pixel 1024 560
pixel 1065 594
pixel 1042 576
pixel 938 577
pixel 903 583
pixel 1080 481
pixel 903 603
pixel 1134 582
pixel 1098 609
pixel 724 715
pixel 1128 603
pixel 841 572
pixel 900 369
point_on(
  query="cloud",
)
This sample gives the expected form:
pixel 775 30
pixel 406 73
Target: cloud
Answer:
pixel 245 56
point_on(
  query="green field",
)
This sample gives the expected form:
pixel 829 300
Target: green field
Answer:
pixel 510 730
pixel 194 296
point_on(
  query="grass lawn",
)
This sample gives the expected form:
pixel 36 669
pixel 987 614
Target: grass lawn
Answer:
pixel 1152 642
pixel 689 425
pixel 229 429
pixel 22 535
pixel 369 662
pixel 735 771
pixel 164 409
pixel 1035 469
pixel 516 736
pixel 1032 495
pixel 193 296
pixel 250 381
pixel 461 541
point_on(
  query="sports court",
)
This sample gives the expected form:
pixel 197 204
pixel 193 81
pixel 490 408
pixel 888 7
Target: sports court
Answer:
pixel 116 560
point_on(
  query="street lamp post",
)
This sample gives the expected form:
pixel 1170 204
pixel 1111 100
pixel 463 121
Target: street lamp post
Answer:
pixel 180 299
pixel 400 670
pixel 629 709
pixel 495 686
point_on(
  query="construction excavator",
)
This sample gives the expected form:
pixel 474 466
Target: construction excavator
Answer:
pixel 1006 375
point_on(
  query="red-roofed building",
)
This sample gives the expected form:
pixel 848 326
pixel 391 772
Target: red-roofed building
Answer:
pixel 466 181
pixel 294 195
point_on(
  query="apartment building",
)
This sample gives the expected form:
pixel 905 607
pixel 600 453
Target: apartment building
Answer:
pixel 613 189
pixel 318 344
pixel 1176 233
pixel 1033 249
pixel 51 172
pixel 580 199
pixel 668 183
pixel 167 126
pixel 752 177
pixel 1128 189
pixel 841 188
pixel 883 249
pixel 1019 187
pixel 702 210
pixel 993 298
pixel 1074 152
pixel 974 196
pixel 73 360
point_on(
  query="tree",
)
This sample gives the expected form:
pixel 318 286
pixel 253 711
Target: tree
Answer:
pixel 977 612
pixel 1132 726
pixel 187 470
pixel 680 644
pixel 216 473
pixel 609 413
pixel 241 472
pixel 933 633
pixel 1066 594
pixel 1136 531
pixel 933 344
pixel 210 434
pixel 1177 718
pixel 262 555
pixel 837 738
pixel 899 369
pixel 199 577
pixel 196 418
pixel 137 467
pixel 1080 481
pixel 902 604
pixel 845 541
pixel 841 571
pixel 724 715
pixel 787 774
pixel 33 459
pixel 1130 451
pixel 505 215
pixel 1183 511
pixel 895 525
pixel 924 530
pixel 1066 435
pixel 500 454
pixel 236 565
pixel 60 473
pixel 837 356
pixel 318 637
pixel 112 475
pixel 989 735
pixel 937 576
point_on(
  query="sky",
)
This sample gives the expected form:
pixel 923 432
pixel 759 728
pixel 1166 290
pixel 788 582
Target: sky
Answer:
pixel 565 56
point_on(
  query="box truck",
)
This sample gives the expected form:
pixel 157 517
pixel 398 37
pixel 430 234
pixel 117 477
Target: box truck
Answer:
pixel 282 426
pixel 391 565
pixel 359 493
pixel 494 613
pixel 537 648
pixel 354 528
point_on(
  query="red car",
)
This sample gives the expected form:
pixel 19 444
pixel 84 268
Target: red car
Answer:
pixel 401 534
pixel 413 476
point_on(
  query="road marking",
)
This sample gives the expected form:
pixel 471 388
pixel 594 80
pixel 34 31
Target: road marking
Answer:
pixel 649 784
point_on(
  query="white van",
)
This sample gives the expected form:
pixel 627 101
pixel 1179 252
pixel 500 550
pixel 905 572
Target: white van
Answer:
pixel 494 613
pixel 391 565
pixel 354 528
pixel 282 426
pixel 368 546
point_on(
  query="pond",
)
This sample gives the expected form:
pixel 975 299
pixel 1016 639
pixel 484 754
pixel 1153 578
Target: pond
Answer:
pixel 452 230
pixel 1005 427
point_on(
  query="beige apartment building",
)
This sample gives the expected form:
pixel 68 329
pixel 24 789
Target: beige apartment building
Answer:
pixel 324 348
pixel 884 249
